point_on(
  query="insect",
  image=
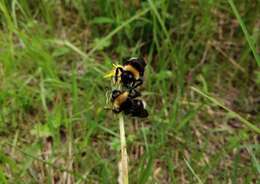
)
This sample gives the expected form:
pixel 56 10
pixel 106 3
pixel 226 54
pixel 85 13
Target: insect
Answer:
pixel 126 101
pixel 131 72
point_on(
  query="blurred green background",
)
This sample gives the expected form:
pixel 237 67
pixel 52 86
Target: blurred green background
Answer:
pixel 202 85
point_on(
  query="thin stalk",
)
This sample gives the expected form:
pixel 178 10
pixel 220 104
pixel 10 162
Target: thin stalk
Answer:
pixel 245 31
pixel 234 114
pixel 123 165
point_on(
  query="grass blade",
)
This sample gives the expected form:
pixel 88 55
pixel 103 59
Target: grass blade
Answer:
pixel 254 159
pixel 62 169
pixel 243 26
pixel 234 114
pixel 116 30
pixel 146 170
pixel 192 171
pixel 153 7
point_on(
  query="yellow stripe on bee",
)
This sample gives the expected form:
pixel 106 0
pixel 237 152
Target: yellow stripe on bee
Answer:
pixel 120 99
pixel 132 70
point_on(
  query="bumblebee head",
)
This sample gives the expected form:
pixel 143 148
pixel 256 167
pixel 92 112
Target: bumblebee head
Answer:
pixel 127 77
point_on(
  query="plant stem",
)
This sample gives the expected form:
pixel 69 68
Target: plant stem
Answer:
pixel 123 166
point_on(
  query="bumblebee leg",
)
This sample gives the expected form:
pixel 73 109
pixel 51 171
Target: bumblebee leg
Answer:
pixel 137 83
pixel 116 111
pixel 116 74
pixel 134 93
pixel 118 69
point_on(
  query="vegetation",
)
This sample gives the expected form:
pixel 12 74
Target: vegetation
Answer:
pixel 201 87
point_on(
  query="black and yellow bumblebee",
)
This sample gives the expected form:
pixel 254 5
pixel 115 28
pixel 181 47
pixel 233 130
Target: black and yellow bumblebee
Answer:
pixel 131 73
pixel 127 102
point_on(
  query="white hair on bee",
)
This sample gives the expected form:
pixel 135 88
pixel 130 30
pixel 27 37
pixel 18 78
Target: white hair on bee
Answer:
pixel 144 103
pixel 133 58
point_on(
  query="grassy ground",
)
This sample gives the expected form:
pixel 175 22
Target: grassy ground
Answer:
pixel 201 86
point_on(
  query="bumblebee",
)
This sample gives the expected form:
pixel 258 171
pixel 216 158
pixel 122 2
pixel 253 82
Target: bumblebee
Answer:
pixel 126 101
pixel 131 72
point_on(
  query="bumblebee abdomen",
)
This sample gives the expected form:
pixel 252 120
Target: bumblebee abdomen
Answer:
pixel 137 63
pixel 120 99
pixel 138 67
pixel 127 106
pixel 138 109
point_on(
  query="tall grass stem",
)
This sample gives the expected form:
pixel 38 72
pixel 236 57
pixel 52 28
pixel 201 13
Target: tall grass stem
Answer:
pixel 123 165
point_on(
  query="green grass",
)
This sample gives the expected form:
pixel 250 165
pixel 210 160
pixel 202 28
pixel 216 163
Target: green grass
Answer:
pixel 249 40
pixel 201 88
